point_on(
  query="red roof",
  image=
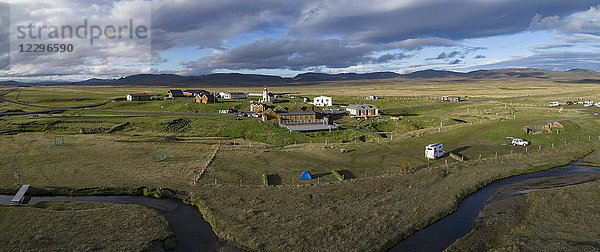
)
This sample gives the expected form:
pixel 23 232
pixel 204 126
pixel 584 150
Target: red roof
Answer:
pixel 139 94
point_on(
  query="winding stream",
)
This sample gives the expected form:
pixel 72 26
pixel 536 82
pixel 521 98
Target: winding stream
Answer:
pixel 441 234
pixel 194 234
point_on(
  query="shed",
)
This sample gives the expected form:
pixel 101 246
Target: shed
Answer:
pixel 138 97
pixel 306 175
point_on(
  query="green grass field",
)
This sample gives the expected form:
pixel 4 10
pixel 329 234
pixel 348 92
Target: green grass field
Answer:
pixel 81 226
pixel 376 201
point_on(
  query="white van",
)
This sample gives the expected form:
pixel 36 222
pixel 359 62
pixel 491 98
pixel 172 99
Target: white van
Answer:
pixel 434 151
pixel 588 103
pixel 554 104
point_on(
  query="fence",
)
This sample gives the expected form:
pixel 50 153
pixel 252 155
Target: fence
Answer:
pixel 341 176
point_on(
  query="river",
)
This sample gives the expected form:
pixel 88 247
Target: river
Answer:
pixel 195 234
pixel 441 234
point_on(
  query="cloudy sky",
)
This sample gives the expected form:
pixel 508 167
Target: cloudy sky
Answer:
pixel 332 36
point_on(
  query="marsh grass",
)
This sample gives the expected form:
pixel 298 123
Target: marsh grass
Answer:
pixel 62 225
pixel 557 219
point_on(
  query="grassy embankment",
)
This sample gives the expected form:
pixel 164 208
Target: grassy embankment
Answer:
pixel 81 226
pixel 557 219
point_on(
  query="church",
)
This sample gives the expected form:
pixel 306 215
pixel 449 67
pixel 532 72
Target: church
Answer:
pixel 267 96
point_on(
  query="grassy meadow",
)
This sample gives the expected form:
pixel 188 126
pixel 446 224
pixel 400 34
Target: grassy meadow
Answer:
pixel 220 160
pixel 81 226
pixel 557 219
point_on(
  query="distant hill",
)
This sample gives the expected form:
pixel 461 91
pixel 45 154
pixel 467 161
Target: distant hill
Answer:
pixel 238 79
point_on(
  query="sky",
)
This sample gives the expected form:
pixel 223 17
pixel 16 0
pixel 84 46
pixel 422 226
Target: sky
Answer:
pixel 285 38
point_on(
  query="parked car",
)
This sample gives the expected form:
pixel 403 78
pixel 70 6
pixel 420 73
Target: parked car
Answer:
pixel 520 142
pixel 570 103
pixel 554 104
pixel 596 113
pixel 597 104
pixel 588 103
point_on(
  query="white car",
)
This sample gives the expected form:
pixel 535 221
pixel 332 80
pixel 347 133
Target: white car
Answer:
pixel 597 104
pixel 588 103
pixel 520 142
pixel 554 104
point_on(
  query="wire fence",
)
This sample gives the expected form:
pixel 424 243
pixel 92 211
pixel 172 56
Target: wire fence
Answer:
pixel 401 169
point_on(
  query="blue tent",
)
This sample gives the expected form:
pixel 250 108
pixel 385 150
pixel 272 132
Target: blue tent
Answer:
pixel 305 175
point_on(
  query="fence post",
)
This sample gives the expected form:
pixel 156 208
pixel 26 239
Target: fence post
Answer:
pixel 496 154
pixel 215 181
pixel 479 156
pixel 539 147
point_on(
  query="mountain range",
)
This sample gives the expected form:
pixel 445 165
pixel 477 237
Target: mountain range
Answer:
pixel 237 79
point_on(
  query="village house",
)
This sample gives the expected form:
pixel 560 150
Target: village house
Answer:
pixel 138 97
pixel 175 93
pixel 233 95
pixel 322 101
pixel 256 107
pixel 297 119
pixel 363 110
pixel 206 98
pixel 451 98
pixel 194 92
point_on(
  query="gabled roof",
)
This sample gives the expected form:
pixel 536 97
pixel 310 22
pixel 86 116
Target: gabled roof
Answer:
pixel 314 109
pixel 175 91
pixel 295 108
pixel 362 106
pixel 297 113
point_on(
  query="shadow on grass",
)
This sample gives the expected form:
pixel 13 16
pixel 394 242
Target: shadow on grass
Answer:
pixel 318 175
pixel 274 179
pixel 347 174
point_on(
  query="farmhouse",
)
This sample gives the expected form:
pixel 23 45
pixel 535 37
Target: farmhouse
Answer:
pixel 194 92
pixel 322 101
pixel 138 97
pixel 255 107
pixel 363 110
pixel 174 93
pixel 297 119
pixel 206 98
pixel 233 95
pixel 451 98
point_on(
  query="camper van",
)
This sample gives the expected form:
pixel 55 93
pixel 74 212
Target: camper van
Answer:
pixel 434 151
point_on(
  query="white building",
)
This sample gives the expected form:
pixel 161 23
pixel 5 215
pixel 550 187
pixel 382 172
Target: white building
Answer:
pixel 267 96
pixel 363 110
pixel 233 95
pixel 322 101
